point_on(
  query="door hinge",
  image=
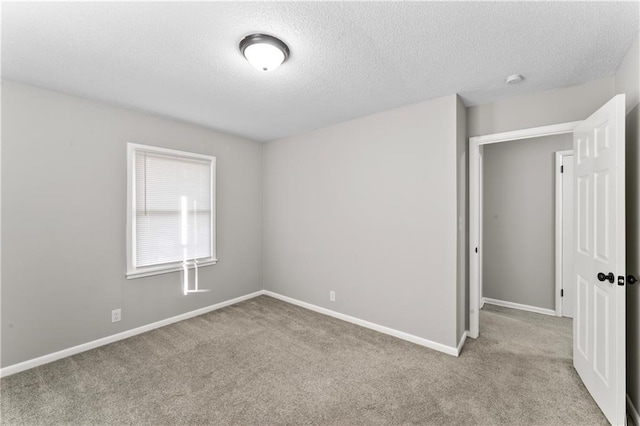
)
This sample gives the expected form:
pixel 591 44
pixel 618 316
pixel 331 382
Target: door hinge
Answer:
pixel 562 292
pixel 561 169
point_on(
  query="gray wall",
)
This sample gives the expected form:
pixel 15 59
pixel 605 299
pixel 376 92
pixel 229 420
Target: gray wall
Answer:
pixel 571 103
pixel 367 208
pixel 627 82
pixel 462 155
pixel 519 220
pixel 63 221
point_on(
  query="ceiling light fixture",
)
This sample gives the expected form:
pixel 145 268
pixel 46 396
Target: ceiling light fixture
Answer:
pixel 263 51
pixel 514 79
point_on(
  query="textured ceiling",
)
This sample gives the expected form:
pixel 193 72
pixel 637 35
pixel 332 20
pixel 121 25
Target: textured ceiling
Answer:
pixel 348 59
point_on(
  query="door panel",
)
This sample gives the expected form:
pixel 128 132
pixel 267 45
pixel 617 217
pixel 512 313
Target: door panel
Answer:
pixel 582 220
pixel 602 207
pixel 599 321
pixel 601 139
pixel 581 318
pixel 601 334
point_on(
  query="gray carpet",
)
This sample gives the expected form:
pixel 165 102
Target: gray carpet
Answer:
pixel 268 362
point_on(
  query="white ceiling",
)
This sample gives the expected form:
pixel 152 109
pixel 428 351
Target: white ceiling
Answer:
pixel 348 59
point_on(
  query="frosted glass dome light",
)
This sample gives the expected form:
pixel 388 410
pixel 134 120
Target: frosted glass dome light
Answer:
pixel 264 52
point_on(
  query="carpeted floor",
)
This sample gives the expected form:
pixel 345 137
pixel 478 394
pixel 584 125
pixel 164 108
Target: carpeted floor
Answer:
pixel 265 362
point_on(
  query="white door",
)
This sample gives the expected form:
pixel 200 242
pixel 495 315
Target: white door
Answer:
pixel 568 283
pixel 599 322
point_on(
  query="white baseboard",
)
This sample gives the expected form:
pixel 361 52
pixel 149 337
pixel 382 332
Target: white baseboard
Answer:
pixel 520 306
pixel 461 342
pixel 45 359
pixel 380 328
pixel 633 411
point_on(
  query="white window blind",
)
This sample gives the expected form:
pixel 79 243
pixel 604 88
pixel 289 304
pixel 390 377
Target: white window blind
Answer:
pixel 172 211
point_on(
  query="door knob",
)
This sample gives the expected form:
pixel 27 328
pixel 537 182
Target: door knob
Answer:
pixel 603 277
pixel 631 280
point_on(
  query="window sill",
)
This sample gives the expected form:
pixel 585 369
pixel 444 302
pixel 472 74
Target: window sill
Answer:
pixel 165 269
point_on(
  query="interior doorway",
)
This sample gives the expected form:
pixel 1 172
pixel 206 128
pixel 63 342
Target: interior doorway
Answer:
pixel 519 230
pixel 476 165
pixel 599 344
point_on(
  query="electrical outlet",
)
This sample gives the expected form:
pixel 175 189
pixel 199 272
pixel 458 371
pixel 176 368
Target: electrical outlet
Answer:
pixel 332 296
pixel 116 315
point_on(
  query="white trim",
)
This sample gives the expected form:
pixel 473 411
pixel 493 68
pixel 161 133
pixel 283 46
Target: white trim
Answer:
pixel 475 206
pixel 475 230
pixel 633 411
pixel 134 271
pixel 165 269
pixel 519 306
pixel 463 339
pixel 559 226
pixel 534 132
pixel 45 359
pixel 450 350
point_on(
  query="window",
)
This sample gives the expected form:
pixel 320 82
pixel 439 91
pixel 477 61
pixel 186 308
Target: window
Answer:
pixel 170 210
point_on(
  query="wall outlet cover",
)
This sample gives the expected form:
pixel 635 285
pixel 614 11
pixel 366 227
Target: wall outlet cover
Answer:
pixel 116 315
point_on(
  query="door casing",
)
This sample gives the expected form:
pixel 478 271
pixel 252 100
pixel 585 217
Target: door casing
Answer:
pixel 561 199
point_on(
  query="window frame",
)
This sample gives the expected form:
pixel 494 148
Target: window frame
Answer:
pixel 134 271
